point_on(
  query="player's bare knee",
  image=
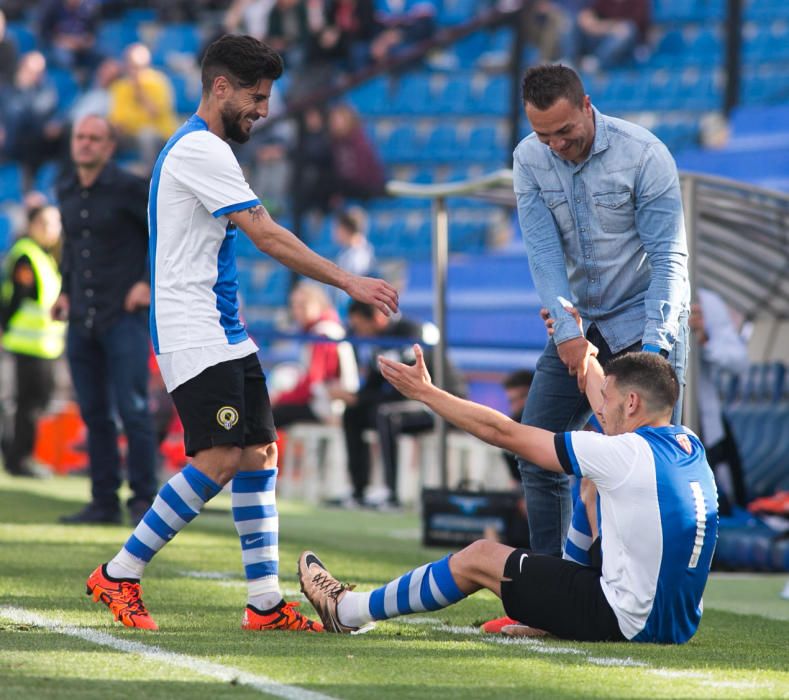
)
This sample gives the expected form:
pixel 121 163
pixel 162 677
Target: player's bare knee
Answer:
pixel 219 463
pixel 258 457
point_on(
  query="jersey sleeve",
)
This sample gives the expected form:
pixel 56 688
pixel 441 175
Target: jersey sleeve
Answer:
pixel 606 460
pixel 206 166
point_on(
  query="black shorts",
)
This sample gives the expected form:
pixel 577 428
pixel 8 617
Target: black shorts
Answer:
pixel 226 404
pixel 558 596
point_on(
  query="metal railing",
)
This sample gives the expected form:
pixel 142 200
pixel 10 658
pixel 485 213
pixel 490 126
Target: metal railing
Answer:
pixel 738 244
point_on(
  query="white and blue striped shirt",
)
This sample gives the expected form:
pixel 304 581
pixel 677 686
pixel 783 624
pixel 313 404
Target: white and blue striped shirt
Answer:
pixel 658 504
pixel 194 281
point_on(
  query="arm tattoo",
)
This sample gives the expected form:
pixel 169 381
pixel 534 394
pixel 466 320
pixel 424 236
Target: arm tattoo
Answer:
pixel 257 212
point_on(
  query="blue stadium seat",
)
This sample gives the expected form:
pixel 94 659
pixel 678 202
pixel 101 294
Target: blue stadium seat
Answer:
pixel 113 37
pixel 496 96
pixel 46 177
pixel 371 97
pixel 176 38
pixel 484 144
pixel 10 182
pixel 66 85
pixel 669 50
pixel 6 232
pixel 442 144
pixel 454 98
pixel 766 10
pixel 186 92
pixel 456 11
pixel 25 38
pixel 412 95
pixel 706 49
pixel 403 145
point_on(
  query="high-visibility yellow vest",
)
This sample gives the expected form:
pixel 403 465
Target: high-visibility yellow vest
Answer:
pixel 31 330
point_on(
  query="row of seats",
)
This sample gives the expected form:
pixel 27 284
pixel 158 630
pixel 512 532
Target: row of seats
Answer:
pixel 444 143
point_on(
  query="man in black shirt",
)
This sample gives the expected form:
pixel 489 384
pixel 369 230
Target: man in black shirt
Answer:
pixel 105 296
pixel 378 404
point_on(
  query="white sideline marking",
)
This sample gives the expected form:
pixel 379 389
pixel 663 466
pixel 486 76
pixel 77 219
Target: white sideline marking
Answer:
pixel 203 667
pixel 540 647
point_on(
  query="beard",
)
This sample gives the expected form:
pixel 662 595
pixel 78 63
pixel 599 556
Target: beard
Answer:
pixel 232 123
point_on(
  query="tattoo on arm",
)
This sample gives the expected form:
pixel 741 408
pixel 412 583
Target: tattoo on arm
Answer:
pixel 257 212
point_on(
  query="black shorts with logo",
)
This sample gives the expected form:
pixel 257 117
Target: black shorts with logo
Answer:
pixel 558 596
pixel 226 404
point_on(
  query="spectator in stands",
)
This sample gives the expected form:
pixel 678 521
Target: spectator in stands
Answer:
pixel 34 339
pixel 248 17
pixel 292 28
pixel 8 54
pixel 313 175
pixel 549 26
pixel 97 99
pixel 358 171
pixel 722 347
pixel 516 387
pixel 357 254
pixel 377 404
pixel 105 297
pixel 322 363
pixel 32 132
pixel 616 247
pixel 68 29
pixel 607 32
pixel 350 28
pixel 400 32
pixel 142 106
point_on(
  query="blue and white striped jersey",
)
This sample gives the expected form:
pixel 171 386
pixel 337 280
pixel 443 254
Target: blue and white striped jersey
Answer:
pixel 659 509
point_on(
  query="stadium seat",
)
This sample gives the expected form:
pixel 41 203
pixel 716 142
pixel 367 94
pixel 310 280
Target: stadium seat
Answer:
pixel 113 37
pixel 442 144
pixel 453 98
pixel 25 38
pixel 6 233
pixel 176 38
pixel 10 183
pixel 186 91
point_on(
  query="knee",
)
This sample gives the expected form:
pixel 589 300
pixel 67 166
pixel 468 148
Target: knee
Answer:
pixel 259 457
pixel 219 463
pixel 470 558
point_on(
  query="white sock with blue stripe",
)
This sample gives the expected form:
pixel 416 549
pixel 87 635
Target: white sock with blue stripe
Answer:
pixel 430 587
pixel 257 523
pixel 177 504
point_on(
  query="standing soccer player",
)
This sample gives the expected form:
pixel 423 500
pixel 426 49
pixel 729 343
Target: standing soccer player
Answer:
pixel 198 201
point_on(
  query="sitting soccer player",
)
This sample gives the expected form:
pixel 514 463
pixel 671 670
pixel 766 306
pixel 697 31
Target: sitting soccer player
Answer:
pixel 658 525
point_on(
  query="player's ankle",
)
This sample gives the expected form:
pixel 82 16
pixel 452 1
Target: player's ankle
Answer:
pixel 353 609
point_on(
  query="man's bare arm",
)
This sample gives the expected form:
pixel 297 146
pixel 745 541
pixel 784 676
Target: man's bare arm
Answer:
pixel 533 444
pixel 283 246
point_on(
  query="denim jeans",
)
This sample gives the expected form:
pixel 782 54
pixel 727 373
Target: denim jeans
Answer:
pixel 554 403
pixel 109 370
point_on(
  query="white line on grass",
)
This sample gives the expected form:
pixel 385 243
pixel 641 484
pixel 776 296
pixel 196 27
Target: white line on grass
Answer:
pixel 194 664
pixel 538 646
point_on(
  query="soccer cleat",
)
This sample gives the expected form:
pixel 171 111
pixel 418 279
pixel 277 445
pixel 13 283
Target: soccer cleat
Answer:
pixel 323 591
pixel 282 617
pixel 495 626
pixel 122 597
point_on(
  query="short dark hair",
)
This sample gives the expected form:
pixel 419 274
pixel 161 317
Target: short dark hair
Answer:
pixel 354 219
pixel 242 59
pixel 518 378
pixel 362 309
pixel 650 375
pixel 543 86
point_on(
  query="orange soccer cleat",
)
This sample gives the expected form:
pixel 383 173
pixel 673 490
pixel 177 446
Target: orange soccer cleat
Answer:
pixel 283 617
pixel 122 597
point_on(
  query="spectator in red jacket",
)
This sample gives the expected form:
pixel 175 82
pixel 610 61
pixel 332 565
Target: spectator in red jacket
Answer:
pixel 358 170
pixel 322 363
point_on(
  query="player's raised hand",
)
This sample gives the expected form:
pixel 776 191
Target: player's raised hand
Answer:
pixel 409 380
pixel 377 292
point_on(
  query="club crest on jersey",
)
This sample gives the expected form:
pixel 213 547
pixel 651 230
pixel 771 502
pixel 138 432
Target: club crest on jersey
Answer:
pixel 684 442
pixel 227 417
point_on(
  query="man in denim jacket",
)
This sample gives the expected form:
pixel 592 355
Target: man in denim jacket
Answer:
pixel 600 209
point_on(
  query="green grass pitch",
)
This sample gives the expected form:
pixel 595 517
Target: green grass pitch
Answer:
pixel 196 592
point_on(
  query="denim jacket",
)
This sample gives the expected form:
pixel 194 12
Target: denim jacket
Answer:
pixel 607 233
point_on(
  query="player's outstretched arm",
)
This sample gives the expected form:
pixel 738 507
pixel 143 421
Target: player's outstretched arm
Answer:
pixel 282 245
pixel 534 444
pixel 594 370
